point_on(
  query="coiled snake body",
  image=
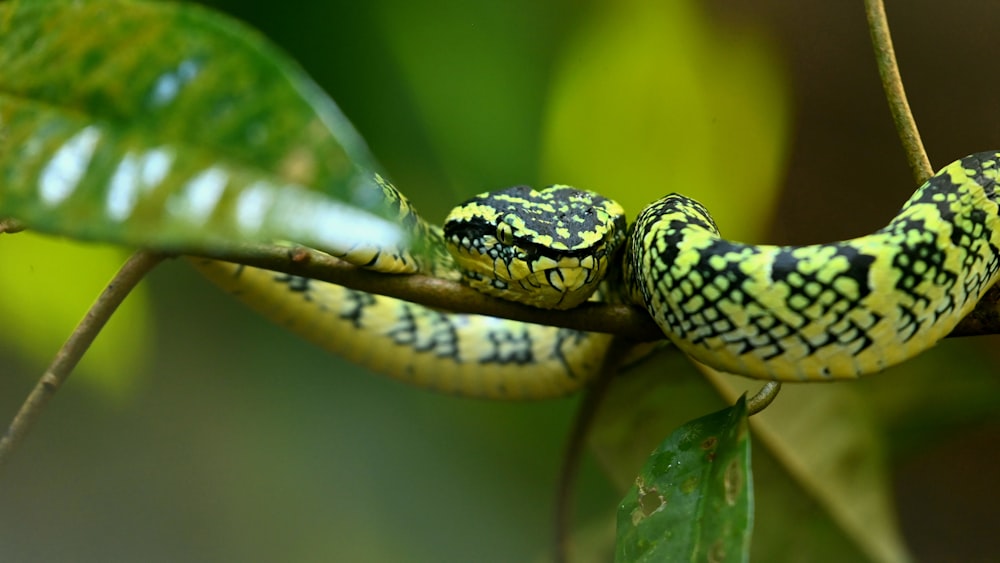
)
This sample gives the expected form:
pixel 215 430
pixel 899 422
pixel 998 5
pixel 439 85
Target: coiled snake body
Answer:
pixel 816 312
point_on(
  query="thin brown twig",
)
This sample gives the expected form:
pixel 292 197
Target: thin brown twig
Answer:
pixel 134 269
pixel 573 455
pixel 985 318
pixel 892 83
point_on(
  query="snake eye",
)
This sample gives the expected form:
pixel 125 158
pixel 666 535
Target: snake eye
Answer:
pixel 505 233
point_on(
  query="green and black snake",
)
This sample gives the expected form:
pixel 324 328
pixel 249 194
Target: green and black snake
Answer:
pixel 791 313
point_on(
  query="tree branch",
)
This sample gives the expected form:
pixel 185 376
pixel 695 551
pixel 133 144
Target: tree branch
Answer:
pixel 622 320
pixel 137 266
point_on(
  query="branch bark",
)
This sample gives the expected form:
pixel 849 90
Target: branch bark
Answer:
pixel 617 319
pixel 621 320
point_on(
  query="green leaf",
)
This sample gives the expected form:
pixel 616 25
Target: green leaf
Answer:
pixel 693 500
pixel 837 460
pixel 819 465
pixel 167 125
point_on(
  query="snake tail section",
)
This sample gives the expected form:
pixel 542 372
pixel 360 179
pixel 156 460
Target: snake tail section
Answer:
pixel 466 355
pixel 824 311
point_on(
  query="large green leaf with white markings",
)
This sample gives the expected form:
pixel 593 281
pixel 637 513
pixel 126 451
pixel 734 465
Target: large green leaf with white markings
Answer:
pixel 165 125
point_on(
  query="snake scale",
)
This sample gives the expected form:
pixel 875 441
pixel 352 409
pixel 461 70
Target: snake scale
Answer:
pixel 791 313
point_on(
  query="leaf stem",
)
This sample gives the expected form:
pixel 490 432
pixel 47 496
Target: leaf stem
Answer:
pixel 134 269
pixel 763 398
pixel 892 83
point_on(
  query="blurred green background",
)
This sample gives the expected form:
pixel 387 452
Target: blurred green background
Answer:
pixel 206 434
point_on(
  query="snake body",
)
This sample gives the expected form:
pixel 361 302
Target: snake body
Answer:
pixel 817 312
pixel 459 354
pixel 823 311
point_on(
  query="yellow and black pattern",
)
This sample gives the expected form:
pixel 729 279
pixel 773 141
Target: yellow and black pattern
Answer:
pixel 823 311
pixel 549 249
pixel 815 312
pixel 426 255
pixel 468 355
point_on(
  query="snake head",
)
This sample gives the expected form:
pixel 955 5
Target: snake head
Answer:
pixel 548 249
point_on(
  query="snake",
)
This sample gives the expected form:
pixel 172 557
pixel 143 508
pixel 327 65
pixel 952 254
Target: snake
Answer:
pixel 818 312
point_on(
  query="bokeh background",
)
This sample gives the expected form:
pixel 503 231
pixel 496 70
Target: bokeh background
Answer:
pixel 202 433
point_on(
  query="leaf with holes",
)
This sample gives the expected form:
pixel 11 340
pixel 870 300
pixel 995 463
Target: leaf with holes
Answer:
pixel 170 126
pixel 693 500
